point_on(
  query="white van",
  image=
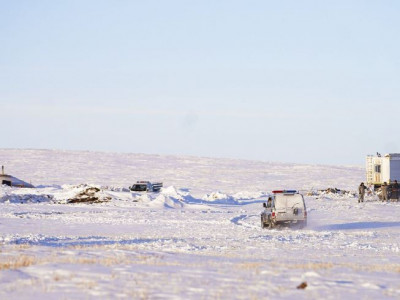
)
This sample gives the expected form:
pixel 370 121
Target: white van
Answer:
pixel 284 207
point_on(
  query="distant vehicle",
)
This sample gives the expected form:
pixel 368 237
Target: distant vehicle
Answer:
pixel 382 169
pixel 146 186
pixel 284 207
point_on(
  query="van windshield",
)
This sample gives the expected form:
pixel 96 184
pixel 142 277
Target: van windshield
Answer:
pixel 139 187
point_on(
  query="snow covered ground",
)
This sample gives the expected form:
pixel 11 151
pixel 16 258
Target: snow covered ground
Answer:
pixel 199 238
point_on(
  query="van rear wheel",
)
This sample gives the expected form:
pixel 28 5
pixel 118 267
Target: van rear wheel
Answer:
pixel 302 224
pixel 270 224
pixel 267 224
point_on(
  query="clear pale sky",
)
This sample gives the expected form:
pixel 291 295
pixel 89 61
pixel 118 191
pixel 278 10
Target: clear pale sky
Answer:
pixel 287 81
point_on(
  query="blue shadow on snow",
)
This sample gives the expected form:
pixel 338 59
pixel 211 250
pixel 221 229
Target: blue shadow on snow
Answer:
pixel 359 225
pixel 85 241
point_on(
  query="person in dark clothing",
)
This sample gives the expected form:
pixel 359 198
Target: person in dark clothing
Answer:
pixel 269 202
pixel 395 192
pixel 361 192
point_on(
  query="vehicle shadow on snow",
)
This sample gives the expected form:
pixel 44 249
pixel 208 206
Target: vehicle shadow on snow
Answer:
pixel 358 225
pixel 223 202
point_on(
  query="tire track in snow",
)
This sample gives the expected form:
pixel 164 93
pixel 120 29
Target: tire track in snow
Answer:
pixel 240 221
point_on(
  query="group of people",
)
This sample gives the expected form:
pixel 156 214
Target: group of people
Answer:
pixel 388 192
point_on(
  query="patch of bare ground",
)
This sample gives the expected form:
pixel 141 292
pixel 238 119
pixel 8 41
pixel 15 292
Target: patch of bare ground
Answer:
pixel 17 262
pixel 394 268
pixel 89 195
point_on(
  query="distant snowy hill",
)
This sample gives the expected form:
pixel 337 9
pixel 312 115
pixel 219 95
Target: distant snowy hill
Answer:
pixel 198 174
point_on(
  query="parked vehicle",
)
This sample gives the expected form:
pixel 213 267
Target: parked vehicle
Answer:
pixel 284 207
pixel 146 186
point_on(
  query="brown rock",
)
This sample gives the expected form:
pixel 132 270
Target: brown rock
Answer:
pixel 302 286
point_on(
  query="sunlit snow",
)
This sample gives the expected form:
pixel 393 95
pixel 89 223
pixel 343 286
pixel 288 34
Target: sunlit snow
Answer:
pixel 198 238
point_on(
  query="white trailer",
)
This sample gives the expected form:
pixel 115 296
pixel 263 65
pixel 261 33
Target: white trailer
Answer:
pixel 382 169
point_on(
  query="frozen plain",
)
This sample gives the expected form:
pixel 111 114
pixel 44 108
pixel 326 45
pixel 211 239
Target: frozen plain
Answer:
pixel 200 238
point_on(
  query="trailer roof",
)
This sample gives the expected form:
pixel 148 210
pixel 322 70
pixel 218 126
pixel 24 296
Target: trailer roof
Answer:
pixel 392 154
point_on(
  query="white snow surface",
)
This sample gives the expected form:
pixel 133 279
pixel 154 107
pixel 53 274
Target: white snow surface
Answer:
pixel 198 238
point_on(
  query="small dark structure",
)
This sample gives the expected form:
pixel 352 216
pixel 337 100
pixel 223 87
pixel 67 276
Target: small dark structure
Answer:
pixel 13 181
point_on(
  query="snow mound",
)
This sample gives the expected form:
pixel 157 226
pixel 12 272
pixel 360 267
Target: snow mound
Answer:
pixel 23 195
pixel 219 198
pixel 249 195
pixel 79 194
pixel 181 195
pixel 170 197
pixel 25 198
pixel 115 188
pixel 333 196
pixel 143 198
pixel 166 202
pixel 171 191
pixel 336 193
